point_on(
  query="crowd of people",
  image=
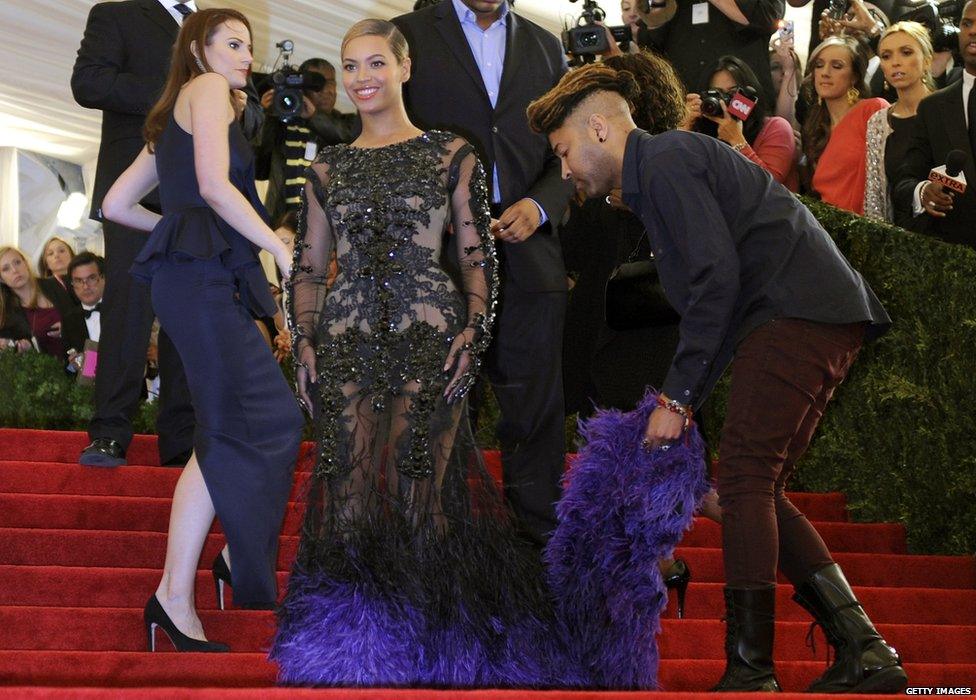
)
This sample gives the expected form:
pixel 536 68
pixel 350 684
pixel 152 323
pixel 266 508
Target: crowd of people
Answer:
pixel 461 230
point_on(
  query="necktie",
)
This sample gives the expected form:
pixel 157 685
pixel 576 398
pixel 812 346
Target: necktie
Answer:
pixel 97 308
pixel 183 9
pixel 972 119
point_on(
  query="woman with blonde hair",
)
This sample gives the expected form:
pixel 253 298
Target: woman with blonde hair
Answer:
pixel 409 568
pixel 905 50
pixel 835 129
pixel 201 260
pixel 36 311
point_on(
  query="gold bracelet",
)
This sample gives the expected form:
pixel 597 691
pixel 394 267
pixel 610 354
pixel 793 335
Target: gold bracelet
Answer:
pixel 739 146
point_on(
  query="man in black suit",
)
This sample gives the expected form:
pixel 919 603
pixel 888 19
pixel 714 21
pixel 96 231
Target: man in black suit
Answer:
pixel 121 67
pixel 476 65
pixel 946 122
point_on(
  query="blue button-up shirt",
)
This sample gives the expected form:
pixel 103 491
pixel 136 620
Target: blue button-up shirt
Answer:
pixel 488 49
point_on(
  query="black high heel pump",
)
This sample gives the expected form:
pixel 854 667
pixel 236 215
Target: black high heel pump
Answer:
pixel 221 577
pixel 154 616
pixel 677 576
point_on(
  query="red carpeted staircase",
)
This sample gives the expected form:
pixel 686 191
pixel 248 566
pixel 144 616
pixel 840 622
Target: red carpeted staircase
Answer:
pixel 81 550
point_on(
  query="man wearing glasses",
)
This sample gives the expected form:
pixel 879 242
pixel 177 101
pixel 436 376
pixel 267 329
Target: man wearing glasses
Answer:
pixel 87 274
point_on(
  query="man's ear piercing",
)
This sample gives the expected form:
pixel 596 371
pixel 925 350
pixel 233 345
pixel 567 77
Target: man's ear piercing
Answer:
pixel 602 139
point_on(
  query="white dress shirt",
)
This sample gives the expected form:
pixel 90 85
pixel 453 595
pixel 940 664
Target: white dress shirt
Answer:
pixel 170 6
pixel 94 322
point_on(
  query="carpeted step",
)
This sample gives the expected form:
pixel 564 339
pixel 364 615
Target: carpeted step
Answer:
pixel 53 547
pixel 159 482
pixel 885 604
pixel 113 548
pixel 128 588
pixel 49 693
pixel 121 629
pixel 135 669
pixel 66 446
pixel 932 571
pixel 882 538
pixel 142 514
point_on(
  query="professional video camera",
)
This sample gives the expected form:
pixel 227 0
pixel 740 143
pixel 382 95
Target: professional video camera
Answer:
pixel 289 84
pixel 588 39
pixel 940 17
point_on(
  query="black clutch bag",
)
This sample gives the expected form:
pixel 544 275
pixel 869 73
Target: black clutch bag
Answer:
pixel 635 299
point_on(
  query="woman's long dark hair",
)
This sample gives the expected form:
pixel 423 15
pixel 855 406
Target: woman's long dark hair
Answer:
pixel 198 27
pixel 744 76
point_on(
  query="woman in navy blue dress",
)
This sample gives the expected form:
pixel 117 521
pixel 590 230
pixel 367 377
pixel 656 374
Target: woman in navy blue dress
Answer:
pixel 202 261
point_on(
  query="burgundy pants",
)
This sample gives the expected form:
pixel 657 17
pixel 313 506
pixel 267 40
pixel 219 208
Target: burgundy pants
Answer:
pixel 783 375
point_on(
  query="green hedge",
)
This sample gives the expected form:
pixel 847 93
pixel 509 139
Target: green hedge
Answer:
pixel 899 439
pixel 36 393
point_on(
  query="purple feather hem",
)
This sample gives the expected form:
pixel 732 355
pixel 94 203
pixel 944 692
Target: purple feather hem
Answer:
pixel 623 508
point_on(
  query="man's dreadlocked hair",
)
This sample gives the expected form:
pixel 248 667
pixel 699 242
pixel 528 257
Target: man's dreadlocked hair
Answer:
pixel 548 113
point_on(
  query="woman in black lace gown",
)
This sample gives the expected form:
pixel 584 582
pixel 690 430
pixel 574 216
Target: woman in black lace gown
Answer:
pixel 408 570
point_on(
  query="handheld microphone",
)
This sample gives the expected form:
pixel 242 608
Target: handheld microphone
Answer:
pixel 743 102
pixel 950 175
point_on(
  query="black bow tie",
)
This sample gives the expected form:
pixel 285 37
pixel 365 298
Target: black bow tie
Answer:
pixel 97 308
pixel 183 9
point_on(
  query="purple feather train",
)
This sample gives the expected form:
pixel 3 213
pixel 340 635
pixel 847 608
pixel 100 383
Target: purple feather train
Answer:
pixel 623 508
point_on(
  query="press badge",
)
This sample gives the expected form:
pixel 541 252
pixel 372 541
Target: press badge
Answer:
pixel 699 13
pixel 311 148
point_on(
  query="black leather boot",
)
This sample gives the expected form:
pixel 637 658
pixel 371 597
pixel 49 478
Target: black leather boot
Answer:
pixel 863 661
pixel 750 618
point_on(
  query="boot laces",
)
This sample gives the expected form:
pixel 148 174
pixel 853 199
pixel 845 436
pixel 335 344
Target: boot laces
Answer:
pixel 811 641
pixel 833 641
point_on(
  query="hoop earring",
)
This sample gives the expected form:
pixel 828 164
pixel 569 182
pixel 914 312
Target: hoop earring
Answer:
pixel 603 139
pixel 852 95
pixel 203 68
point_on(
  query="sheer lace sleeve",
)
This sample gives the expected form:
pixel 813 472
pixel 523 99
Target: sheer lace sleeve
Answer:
pixel 475 246
pixel 313 249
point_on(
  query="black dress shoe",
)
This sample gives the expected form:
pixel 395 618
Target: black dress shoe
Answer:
pixel 103 452
pixel 179 460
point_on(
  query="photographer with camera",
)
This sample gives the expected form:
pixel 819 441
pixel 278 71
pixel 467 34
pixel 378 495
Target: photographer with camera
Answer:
pixel 301 118
pixel 731 110
pixel 692 35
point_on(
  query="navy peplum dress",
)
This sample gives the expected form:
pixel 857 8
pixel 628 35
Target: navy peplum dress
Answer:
pixel 206 281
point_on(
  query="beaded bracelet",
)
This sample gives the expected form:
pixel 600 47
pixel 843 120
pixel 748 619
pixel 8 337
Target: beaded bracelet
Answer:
pixel 675 407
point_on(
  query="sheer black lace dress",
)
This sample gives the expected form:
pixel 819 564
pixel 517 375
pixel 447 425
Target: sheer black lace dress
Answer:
pixel 408 569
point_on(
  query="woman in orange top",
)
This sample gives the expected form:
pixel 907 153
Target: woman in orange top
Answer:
pixel 835 129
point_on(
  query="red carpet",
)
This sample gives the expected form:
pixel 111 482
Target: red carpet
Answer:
pixel 81 549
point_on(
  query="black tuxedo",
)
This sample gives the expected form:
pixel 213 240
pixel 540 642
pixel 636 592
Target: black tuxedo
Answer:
pixel 939 128
pixel 121 67
pixel 446 91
